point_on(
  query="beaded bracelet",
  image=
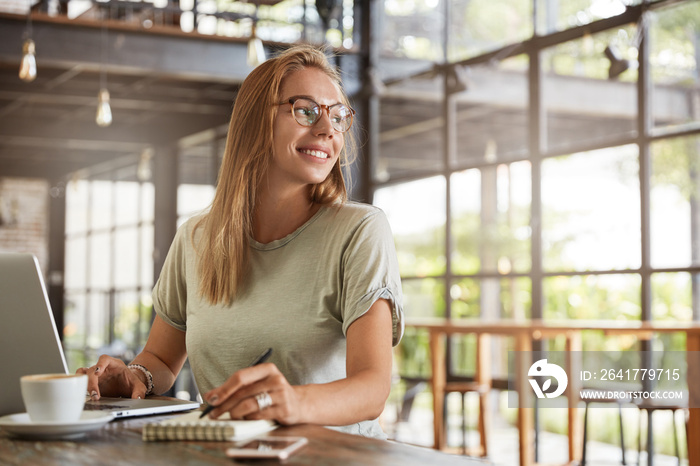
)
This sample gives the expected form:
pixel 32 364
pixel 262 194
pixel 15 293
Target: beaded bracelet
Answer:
pixel 147 373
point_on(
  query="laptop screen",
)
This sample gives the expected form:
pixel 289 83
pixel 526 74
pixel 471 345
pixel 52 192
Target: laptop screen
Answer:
pixel 29 342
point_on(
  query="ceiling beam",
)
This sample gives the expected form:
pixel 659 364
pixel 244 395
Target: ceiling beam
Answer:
pixel 56 167
pixel 48 98
pixel 44 142
pixel 41 132
pixel 563 95
pixel 64 43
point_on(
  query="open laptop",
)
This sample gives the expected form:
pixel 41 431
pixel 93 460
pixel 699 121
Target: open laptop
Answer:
pixel 29 342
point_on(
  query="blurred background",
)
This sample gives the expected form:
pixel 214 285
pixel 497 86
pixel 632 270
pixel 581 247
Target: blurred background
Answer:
pixel 537 159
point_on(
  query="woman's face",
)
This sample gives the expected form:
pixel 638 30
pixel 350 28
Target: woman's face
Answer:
pixel 304 155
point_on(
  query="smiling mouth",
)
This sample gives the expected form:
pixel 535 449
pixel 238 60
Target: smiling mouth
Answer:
pixel 315 153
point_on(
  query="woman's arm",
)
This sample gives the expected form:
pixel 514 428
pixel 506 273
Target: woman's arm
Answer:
pixel 360 396
pixel 164 355
pixel 363 394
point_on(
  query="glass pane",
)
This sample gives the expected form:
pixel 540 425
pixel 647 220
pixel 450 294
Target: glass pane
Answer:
pixel 76 276
pixel 74 330
pixel 424 297
pixel 193 199
pixel 420 245
pixel 463 355
pixel 516 298
pixel 76 206
pixel 411 138
pixel 672 301
pixel 671 297
pixel 591 297
pixel 584 103
pixel 146 316
pixel 463 349
pixel 480 26
pixel 101 204
pixel 147 202
pixel 126 322
pixel 127 203
pixel 497 199
pixel 412 355
pixel 675 202
pixel 557 15
pixel 466 299
pixel 466 208
pixel 514 201
pixel 100 267
pixel 146 259
pixel 674 64
pixel 73 319
pixel 96 322
pixel 492 298
pixel 590 211
pixel 413 29
pixel 491 113
pixel 126 257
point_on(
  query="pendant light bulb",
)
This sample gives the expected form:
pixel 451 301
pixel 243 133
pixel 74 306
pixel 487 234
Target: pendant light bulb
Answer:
pixel 27 69
pixel 104 111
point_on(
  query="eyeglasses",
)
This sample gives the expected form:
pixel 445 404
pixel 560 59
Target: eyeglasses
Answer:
pixel 306 112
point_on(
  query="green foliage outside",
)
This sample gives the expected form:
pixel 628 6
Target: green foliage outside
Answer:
pixel 132 324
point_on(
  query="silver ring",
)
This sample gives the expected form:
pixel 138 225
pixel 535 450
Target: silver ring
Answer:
pixel 264 400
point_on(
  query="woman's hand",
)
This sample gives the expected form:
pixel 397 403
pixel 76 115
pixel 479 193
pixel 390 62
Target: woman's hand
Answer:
pixel 111 377
pixel 237 396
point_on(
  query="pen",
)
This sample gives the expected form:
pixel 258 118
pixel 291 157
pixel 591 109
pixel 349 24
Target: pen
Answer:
pixel 259 360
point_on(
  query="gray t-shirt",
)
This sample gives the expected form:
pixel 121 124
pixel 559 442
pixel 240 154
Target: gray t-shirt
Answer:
pixel 302 293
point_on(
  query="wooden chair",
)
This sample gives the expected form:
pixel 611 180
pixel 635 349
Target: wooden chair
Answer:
pixel 414 385
pixel 650 408
pixel 585 424
pixel 481 385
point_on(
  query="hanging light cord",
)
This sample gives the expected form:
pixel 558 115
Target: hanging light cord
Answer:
pixel 103 77
pixel 28 30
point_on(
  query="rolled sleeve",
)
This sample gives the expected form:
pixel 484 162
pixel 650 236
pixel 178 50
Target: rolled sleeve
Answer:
pixel 371 272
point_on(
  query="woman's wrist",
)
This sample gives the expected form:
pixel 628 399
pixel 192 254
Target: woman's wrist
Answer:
pixel 144 375
pixel 305 410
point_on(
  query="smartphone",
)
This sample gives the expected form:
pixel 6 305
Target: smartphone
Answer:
pixel 268 447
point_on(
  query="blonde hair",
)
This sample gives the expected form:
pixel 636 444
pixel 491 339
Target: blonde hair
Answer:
pixel 223 249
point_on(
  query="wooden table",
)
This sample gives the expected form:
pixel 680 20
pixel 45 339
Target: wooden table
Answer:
pixel 523 334
pixel 119 443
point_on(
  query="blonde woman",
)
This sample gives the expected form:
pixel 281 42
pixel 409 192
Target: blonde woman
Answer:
pixel 281 260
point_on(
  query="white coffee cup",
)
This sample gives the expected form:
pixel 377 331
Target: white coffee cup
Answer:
pixel 54 397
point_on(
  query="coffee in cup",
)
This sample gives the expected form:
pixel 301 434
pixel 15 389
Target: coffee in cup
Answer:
pixel 54 397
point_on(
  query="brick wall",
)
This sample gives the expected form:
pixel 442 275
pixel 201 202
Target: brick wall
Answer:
pixel 24 217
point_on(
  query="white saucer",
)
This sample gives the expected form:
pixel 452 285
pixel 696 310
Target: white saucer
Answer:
pixel 20 425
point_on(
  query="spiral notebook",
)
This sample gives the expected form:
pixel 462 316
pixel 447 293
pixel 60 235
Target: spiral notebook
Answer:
pixel 190 427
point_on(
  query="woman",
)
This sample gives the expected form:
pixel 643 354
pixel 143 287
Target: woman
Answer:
pixel 281 260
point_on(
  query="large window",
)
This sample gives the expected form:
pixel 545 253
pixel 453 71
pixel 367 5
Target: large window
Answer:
pixel 551 176
pixel 109 274
pixel 110 236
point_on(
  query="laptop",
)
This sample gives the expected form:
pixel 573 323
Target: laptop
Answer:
pixel 29 342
